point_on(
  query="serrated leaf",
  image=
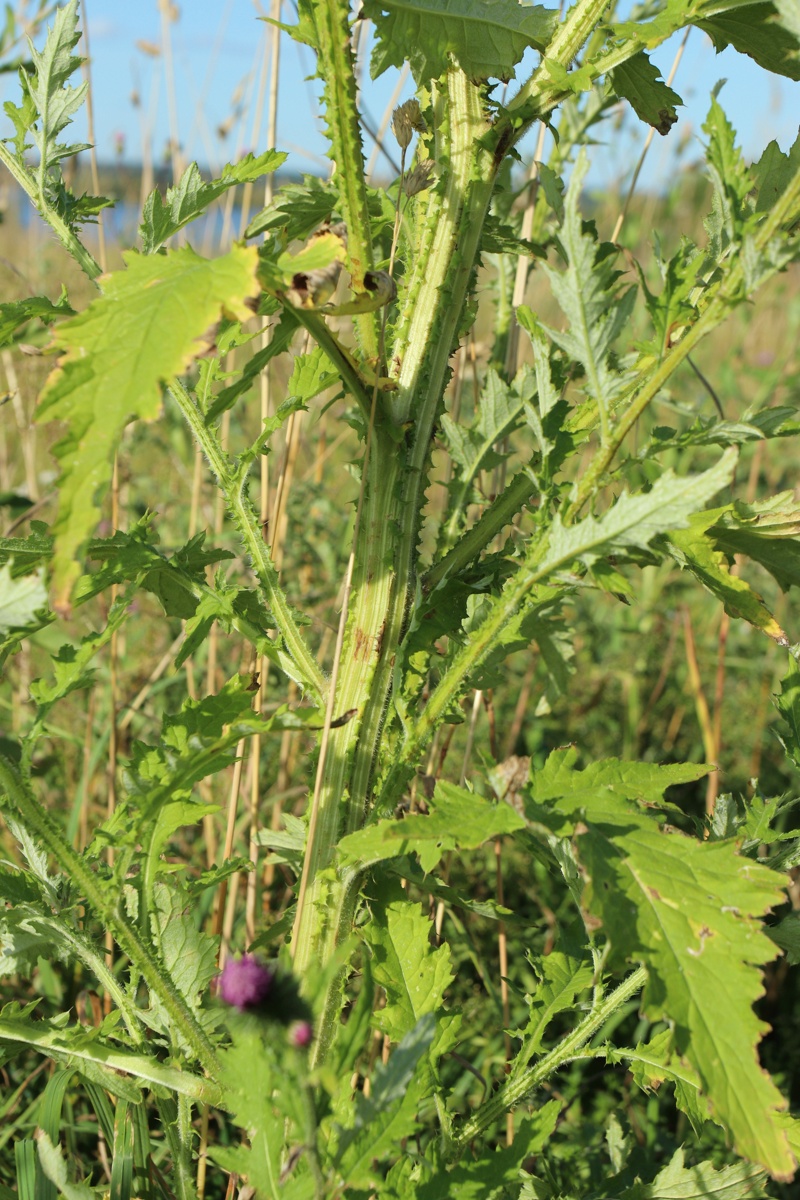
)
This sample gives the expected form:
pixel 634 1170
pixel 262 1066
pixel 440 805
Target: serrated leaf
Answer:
pixel 562 977
pixel 690 911
pixel 753 30
pixel 636 520
pixel 191 196
pixel 788 705
pixel 413 975
pixel 742 1181
pixel 19 313
pixel 773 172
pixel 589 295
pixel 487 38
pixel 55 1169
pixel 188 955
pixel 766 532
pixel 458 819
pixel 697 553
pixel 152 320
pixel 473 447
pixel 639 82
pixel 20 599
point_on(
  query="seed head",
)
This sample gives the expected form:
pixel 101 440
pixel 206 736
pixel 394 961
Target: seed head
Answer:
pixel 420 178
pixel 406 120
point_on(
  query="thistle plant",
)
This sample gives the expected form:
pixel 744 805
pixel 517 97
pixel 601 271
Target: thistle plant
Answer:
pixel 337 1056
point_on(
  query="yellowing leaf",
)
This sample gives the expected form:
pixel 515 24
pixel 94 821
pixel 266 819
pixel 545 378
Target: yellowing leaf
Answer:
pixel 696 551
pixel 151 321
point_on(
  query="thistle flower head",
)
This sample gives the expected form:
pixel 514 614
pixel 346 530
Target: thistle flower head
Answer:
pixel 406 120
pixel 245 982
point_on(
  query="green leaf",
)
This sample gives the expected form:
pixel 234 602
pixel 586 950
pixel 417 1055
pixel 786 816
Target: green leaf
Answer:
pixel 696 552
pixel 753 30
pixel 773 172
pixel 788 705
pixel 389 1113
pixel 413 974
pixel 188 955
pixel 55 1169
pixel 742 1181
pixel 21 599
pixel 653 101
pixel 589 295
pixel 487 38
pixel 732 181
pixel 563 975
pixel 499 1173
pixel 458 820
pixel 636 520
pixel 767 532
pixel 191 196
pixel 25 554
pixel 281 339
pixel 20 313
pixel 786 934
pixel 689 911
pixel 473 447
pixel 153 319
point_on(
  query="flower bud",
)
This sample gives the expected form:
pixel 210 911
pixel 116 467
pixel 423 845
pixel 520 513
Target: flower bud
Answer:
pixel 300 1034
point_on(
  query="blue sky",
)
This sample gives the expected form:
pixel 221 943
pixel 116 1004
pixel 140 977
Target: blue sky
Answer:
pixel 219 47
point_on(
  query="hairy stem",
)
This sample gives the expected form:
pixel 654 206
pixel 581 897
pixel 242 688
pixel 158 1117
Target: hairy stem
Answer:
pixel 69 241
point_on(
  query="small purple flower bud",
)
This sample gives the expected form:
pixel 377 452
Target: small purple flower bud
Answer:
pixel 300 1034
pixel 245 982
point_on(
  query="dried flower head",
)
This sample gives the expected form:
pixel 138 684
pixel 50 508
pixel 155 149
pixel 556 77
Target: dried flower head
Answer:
pixel 420 178
pixel 407 120
pixel 245 982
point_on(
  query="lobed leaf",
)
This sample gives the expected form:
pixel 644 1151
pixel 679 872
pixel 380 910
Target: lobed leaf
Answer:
pixel 191 196
pixel 152 320
pixel 690 912
pixel 639 82
pixel 487 38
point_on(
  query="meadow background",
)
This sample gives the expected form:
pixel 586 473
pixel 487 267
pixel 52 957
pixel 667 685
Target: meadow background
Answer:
pixel 665 678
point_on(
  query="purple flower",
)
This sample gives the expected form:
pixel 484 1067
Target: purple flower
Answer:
pixel 300 1034
pixel 245 982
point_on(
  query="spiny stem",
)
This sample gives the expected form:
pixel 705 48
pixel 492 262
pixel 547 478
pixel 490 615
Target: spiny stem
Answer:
pixel 24 805
pixel 69 241
pixel 518 1087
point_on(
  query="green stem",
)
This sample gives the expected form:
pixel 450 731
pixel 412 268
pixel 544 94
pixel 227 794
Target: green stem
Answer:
pixel 69 241
pixel 107 1060
pixel 493 519
pixel 784 213
pixel 337 70
pixel 25 806
pixel 517 1088
pixel 431 310
pixel 246 520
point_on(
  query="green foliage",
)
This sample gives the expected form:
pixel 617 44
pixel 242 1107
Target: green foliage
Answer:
pixel 167 308
pixel 486 40
pixel 494 974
